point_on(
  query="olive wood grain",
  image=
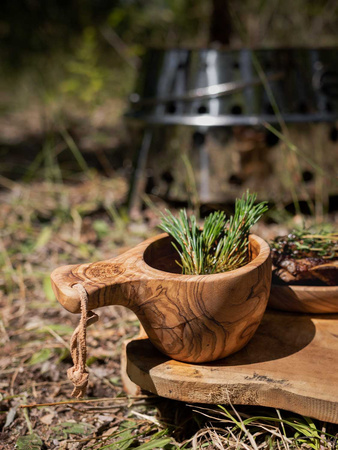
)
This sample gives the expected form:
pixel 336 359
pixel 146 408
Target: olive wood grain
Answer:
pixel 290 363
pixel 305 299
pixel 188 317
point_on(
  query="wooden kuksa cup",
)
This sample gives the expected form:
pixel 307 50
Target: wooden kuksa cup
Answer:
pixel 192 318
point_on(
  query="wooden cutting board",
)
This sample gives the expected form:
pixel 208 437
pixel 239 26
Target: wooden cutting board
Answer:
pixel 291 363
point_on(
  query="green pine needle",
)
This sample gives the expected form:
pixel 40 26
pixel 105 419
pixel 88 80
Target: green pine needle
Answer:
pixel 221 245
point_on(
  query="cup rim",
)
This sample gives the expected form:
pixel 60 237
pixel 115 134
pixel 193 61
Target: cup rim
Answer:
pixel 261 258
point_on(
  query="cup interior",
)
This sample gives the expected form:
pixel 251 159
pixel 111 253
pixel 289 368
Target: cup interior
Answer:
pixel 162 255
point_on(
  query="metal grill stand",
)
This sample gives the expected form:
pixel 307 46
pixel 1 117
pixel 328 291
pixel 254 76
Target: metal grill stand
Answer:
pixel 207 89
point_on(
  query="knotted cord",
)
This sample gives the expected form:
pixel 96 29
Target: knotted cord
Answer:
pixel 78 374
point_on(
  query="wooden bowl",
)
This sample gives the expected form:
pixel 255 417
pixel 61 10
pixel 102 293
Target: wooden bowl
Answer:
pixel 304 299
pixel 192 318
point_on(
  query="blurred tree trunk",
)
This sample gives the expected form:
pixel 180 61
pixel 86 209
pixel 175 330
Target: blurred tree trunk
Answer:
pixel 220 24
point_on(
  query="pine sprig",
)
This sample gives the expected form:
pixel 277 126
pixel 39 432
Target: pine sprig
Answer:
pixel 221 245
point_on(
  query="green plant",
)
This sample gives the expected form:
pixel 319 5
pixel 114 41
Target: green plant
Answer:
pixel 86 75
pixel 302 243
pixel 221 245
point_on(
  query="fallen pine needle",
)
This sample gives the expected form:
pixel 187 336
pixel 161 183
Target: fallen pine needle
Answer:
pixel 114 399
